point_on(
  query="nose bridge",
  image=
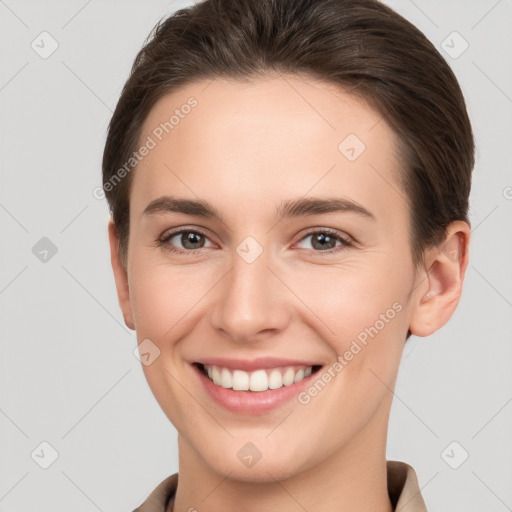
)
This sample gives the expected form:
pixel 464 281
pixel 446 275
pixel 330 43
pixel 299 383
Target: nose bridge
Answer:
pixel 251 299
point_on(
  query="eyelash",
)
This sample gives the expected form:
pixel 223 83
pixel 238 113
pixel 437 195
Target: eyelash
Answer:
pixel 346 242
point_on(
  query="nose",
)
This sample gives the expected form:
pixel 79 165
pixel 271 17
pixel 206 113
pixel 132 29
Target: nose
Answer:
pixel 251 303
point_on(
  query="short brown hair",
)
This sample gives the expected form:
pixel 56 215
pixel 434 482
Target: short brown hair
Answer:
pixel 362 44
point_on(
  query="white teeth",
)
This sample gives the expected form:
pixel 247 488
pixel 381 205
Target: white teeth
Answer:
pixel 275 380
pixel 240 380
pixel 288 377
pixel 216 376
pixel 226 380
pixel 258 380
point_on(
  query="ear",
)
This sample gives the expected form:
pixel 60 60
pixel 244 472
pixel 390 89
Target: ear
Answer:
pixel 120 276
pixel 439 284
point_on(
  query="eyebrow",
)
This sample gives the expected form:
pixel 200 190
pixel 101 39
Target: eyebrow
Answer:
pixel 317 206
pixel 287 209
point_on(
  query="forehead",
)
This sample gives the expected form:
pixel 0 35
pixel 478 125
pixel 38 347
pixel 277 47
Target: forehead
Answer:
pixel 305 106
pixel 273 137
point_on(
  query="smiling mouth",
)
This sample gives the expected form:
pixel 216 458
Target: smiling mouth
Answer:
pixel 257 380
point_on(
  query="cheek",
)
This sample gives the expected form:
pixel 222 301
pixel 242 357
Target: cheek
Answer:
pixel 164 304
pixel 352 303
pixel 365 328
pixel 364 323
pixel 164 299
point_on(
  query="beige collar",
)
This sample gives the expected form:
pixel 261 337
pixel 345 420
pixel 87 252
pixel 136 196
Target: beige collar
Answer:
pixel 403 490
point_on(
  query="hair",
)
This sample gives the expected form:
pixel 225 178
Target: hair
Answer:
pixel 362 46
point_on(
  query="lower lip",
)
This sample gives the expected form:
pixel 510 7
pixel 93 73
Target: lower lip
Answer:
pixel 251 402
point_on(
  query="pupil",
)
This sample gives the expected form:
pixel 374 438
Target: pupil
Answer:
pixel 191 238
pixel 323 238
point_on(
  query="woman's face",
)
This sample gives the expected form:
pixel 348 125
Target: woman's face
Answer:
pixel 276 281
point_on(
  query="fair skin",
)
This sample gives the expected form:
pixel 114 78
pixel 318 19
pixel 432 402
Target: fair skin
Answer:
pixel 246 148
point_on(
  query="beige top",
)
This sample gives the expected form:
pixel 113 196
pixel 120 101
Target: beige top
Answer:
pixel 403 490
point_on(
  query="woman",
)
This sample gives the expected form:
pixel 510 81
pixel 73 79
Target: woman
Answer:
pixel 288 182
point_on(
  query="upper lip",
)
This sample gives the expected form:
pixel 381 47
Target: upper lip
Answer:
pixel 254 364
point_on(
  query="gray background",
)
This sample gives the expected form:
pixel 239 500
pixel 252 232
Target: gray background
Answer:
pixel 68 375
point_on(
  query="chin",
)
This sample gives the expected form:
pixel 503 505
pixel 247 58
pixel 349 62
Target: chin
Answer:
pixel 246 463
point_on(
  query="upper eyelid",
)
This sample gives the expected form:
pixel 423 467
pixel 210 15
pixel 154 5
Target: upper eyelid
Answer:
pixel 186 229
pixel 171 234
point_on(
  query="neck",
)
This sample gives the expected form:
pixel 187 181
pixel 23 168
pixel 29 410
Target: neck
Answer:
pixel 352 478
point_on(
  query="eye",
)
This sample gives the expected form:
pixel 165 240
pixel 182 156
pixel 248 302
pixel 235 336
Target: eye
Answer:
pixel 190 239
pixel 324 240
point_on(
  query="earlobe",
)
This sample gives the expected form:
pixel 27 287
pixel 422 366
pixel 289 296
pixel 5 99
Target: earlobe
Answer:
pixel 440 283
pixel 120 276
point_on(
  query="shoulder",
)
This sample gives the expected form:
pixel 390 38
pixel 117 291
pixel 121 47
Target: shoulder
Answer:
pixel 403 488
pixel 159 498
